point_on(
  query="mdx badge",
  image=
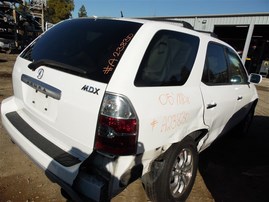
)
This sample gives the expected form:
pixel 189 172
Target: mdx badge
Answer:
pixel 90 89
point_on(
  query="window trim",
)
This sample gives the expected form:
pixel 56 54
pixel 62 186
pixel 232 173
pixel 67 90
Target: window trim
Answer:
pixel 223 47
pixel 138 82
pixel 225 50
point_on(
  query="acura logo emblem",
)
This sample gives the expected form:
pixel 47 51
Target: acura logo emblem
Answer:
pixel 40 73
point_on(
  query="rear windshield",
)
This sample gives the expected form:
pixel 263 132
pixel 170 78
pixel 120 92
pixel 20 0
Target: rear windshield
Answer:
pixel 94 46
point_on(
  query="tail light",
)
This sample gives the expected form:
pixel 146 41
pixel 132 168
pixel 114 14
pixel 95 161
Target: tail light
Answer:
pixel 117 128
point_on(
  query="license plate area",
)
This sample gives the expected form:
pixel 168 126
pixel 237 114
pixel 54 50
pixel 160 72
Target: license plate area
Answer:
pixel 40 97
pixel 40 101
pixel 42 104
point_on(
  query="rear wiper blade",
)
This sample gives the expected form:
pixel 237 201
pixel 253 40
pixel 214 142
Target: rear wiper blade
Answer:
pixel 58 65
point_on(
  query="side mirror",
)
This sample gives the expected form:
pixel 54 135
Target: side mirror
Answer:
pixel 255 78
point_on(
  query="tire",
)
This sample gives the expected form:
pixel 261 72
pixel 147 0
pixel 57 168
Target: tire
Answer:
pixel 173 179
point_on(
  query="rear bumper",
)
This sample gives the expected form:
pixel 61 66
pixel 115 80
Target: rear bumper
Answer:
pixel 43 152
pixel 94 188
pixel 60 166
pixel 95 179
pixel 39 141
pixel 66 187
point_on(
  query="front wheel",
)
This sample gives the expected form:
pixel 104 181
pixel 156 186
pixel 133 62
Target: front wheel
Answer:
pixel 172 178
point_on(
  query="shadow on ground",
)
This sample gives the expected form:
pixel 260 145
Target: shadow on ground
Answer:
pixel 236 168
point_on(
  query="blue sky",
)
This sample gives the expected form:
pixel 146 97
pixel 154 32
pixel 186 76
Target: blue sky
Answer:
pixel 150 8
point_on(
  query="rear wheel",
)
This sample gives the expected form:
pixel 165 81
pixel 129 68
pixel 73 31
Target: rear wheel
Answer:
pixel 174 179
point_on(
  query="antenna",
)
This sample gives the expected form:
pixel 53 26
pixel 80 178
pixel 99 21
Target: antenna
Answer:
pixel 121 14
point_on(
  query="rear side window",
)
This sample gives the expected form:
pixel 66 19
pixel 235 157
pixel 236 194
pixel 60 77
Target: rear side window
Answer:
pixel 216 67
pixel 168 60
pixel 223 66
pixel 238 74
pixel 92 45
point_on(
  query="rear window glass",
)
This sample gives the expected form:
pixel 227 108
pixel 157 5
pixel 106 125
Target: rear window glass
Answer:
pixel 92 45
pixel 168 60
pixel 216 67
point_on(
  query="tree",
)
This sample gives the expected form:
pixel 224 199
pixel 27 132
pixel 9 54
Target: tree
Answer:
pixel 58 10
pixel 82 12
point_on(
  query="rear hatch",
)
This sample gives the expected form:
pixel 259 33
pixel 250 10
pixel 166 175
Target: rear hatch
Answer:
pixel 61 78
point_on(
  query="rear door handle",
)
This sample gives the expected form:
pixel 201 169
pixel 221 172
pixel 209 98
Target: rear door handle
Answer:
pixel 211 105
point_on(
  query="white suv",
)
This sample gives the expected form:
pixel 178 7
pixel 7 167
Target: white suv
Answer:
pixel 99 103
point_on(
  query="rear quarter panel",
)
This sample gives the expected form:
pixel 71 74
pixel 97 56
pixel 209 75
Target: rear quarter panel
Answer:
pixel 166 114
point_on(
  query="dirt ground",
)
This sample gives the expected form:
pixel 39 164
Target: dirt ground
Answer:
pixel 22 180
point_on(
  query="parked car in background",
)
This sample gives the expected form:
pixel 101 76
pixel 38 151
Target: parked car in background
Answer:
pixel 99 103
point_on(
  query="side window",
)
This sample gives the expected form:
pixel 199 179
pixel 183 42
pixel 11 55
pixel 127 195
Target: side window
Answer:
pixel 168 60
pixel 216 68
pixel 238 74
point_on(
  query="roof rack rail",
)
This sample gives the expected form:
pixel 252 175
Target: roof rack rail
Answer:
pixel 208 32
pixel 183 23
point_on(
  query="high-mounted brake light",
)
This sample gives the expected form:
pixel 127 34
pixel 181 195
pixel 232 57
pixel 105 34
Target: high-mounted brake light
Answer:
pixel 117 129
